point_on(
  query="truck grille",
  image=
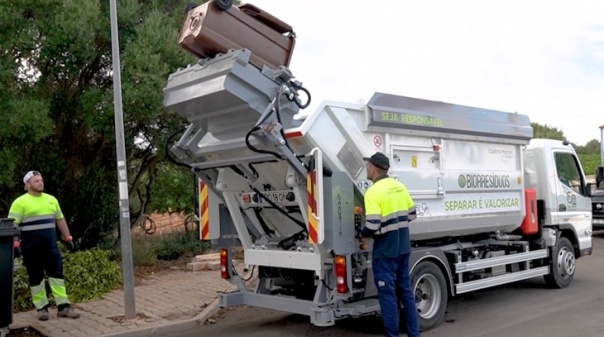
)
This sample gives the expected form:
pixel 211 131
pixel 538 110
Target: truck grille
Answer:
pixel 597 207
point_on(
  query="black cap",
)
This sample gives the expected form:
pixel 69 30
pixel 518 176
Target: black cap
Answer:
pixel 379 160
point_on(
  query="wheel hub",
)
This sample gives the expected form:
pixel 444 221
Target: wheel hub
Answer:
pixel 566 262
pixel 427 296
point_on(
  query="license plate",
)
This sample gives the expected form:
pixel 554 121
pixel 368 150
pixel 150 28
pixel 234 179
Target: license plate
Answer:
pixel 278 197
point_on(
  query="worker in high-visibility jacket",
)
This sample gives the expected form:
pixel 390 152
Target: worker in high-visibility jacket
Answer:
pixel 38 214
pixel 388 211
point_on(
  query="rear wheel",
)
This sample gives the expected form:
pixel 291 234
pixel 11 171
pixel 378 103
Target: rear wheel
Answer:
pixel 431 295
pixel 563 265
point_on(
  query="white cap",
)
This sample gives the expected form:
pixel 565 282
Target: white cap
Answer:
pixel 30 174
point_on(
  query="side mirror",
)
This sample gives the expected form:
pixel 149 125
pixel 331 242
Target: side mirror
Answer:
pixel 591 188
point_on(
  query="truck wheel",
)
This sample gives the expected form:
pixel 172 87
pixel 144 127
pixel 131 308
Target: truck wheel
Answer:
pixel 224 4
pixel 563 265
pixel 431 295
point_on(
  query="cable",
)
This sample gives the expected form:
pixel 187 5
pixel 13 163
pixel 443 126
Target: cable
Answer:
pixel 168 154
pixel 251 147
pixel 242 278
pixel 297 100
pixel 263 224
pixel 277 207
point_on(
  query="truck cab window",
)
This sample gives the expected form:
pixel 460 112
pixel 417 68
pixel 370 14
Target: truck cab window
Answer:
pixel 568 172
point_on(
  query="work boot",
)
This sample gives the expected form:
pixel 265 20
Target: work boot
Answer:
pixel 43 315
pixel 68 312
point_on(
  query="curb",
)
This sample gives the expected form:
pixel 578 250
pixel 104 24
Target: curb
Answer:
pixel 174 327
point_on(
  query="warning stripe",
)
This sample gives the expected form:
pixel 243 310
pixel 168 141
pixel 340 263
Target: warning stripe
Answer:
pixel 311 188
pixel 204 223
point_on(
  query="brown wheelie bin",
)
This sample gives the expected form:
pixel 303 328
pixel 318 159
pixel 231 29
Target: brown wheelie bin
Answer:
pixel 211 29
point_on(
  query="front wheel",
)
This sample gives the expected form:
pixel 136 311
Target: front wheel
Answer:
pixel 563 265
pixel 431 295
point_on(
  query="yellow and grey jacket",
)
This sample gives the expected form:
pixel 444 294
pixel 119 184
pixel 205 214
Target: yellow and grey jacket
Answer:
pixel 36 215
pixel 388 210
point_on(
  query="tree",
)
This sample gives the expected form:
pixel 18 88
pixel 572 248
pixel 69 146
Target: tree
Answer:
pixel 592 147
pixel 545 131
pixel 56 101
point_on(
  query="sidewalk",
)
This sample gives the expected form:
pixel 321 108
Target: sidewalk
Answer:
pixel 173 300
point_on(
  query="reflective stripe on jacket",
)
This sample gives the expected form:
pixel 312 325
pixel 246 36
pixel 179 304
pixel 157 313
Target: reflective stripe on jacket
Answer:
pixel 35 212
pixel 388 210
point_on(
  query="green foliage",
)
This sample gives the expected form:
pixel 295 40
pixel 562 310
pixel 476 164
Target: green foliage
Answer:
pixel 143 250
pixel 545 131
pixel 177 186
pixel 148 250
pixel 175 245
pixel 56 101
pixel 88 275
pixel 589 154
pixel 589 163
pixel 22 294
pixel 592 147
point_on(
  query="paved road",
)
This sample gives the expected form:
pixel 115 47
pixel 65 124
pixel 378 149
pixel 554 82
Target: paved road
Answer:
pixel 523 309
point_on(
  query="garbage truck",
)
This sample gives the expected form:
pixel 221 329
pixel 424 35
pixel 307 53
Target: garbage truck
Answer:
pixel 494 206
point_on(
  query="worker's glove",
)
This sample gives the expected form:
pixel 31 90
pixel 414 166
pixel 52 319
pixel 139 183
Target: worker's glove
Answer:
pixel 68 241
pixel 16 249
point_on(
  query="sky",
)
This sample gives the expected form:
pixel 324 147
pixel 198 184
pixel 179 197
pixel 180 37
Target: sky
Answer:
pixel 541 58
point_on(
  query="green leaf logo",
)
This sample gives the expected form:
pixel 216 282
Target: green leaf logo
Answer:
pixel 461 181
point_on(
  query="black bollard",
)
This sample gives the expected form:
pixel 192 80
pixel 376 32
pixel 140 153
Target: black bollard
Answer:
pixel 7 234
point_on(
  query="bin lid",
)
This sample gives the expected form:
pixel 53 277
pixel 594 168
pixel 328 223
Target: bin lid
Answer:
pixel 7 227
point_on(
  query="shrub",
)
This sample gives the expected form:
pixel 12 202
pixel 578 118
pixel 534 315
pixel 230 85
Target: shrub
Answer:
pixel 88 275
pixel 143 251
pixel 173 246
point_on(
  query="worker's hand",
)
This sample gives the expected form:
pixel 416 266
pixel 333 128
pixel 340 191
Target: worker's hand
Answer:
pixel 68 241
pixel 16 249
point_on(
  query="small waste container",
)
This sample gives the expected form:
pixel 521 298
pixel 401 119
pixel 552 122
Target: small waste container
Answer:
pixel 7 234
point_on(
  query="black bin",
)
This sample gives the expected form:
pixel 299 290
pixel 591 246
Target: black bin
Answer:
pixel 7 234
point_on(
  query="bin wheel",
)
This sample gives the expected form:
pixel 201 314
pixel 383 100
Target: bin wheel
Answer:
pixel 190 6
pixel 224 4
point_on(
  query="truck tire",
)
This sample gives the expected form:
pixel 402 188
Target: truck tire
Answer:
pixel 431 295
pixel 563 265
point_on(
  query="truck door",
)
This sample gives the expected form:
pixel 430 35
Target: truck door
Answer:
pixel 573 203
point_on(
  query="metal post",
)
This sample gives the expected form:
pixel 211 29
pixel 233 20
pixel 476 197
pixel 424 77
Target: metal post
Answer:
pixel 122 177
pixel 601 145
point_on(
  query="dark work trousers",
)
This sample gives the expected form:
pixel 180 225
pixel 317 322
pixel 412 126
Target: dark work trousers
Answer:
pixel 41 256
pixel 391 276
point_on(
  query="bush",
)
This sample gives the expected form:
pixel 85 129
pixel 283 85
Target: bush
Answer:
pixel 88 275
pixel 143 251
pixel 175 245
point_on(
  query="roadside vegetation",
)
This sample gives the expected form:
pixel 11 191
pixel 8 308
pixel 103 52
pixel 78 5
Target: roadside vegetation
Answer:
pixel 91 273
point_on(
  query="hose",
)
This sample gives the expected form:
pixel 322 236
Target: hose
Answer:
pixel 253 148
pixel 168 153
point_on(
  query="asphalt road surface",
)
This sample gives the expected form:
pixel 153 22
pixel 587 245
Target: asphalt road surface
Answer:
pixel 522 309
